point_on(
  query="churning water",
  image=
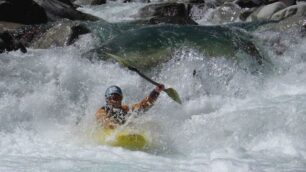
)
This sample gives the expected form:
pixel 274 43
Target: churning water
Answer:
pixel 233 117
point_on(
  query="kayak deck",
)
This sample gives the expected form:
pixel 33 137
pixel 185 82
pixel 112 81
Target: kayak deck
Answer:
pixel 126 139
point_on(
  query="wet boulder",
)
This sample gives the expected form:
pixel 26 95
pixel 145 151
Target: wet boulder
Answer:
pixel 59 9
pixel 28 33
pixel 258 3
pixel 197 11
pixel 246 13
pixel 266 12
pixel 9 26
pixel 60 34
pixel 174 13
pixel 228 12
pixel 298 10
pixel 16 36
pixel 164 10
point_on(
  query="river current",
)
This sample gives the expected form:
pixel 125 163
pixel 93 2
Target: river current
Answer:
pixel 233 117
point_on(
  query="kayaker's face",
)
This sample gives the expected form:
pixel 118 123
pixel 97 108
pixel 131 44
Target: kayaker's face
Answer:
pixel 115 100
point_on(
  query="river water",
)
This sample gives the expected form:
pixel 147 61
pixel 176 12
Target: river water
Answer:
pixel 233 117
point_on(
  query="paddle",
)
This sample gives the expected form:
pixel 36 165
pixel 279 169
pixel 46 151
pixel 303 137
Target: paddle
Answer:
pixel 172 93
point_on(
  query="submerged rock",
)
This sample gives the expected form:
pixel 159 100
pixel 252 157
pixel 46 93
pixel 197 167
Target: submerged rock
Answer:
pixel 150 46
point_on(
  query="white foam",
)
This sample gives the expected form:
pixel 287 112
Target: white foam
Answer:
pixel 231 119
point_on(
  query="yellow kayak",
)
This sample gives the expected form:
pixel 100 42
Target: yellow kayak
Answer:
pixel 126 139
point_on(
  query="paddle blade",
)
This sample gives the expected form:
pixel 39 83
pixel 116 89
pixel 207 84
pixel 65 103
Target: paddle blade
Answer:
pixel 120 60
pixel 173 95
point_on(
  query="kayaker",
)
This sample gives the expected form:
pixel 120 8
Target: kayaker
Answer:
pixel 114 113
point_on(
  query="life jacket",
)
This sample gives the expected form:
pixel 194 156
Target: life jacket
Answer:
pixel 118 115
pixel 108 116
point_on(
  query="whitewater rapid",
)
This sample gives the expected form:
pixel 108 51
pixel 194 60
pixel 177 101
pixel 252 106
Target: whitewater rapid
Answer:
pixel 234 117
pixel 231 119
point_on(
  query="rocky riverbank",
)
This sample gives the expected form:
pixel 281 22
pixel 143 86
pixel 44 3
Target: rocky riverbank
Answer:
pixel 43 24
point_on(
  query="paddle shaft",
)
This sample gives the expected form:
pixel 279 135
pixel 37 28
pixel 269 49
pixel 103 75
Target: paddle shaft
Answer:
pixel 170 91
pixel 143 75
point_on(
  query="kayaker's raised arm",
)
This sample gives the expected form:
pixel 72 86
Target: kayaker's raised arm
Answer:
pixel 148 101
pixel 114 113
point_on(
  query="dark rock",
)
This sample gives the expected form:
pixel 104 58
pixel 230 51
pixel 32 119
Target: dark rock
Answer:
pixel 9 43
pixel 249 3
pixel 68 2
pixel 22 11
pixel 56 10
pixel 2 45
pixel 245 14
pixel 164 10
pixel 289 2
pixel 98 2
pixel 173 13
pixel 76 32
pixel 257 3
pixel 40 11
pixel 90 2
pixel 197 1
pixel 16 36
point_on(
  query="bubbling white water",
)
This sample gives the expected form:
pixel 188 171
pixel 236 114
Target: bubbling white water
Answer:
pixel 232 119
pixel 114 11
